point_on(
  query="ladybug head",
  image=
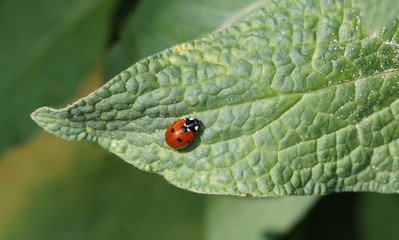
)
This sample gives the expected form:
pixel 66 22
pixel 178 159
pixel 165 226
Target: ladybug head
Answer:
pixel 192 124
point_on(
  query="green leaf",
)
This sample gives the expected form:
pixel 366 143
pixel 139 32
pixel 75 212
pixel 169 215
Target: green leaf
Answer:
pixel 263 219
pixel 45 53
pixel 295 100
pixel 378 13
pixel 159 24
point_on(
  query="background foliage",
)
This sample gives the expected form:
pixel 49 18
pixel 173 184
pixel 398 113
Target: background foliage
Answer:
pixel 54 52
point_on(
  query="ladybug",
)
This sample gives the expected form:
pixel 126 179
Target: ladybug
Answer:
pixel 181 133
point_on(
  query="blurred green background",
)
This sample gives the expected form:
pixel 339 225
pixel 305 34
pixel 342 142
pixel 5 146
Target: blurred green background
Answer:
pixel 54 52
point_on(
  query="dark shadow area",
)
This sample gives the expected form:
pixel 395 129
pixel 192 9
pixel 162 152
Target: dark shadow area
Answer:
pixel 332 218
pixel 272 236
pixel 124 9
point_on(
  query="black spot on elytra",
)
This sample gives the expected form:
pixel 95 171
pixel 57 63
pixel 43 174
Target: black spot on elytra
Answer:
pixel 179 140
pixel 172 130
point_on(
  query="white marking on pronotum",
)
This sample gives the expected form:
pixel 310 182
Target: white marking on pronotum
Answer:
pixel 196 128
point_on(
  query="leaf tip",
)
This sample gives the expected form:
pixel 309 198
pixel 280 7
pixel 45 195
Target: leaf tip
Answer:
pixel 46 118
pixel 39 114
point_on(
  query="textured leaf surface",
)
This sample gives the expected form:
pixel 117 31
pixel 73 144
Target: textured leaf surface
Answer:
pixel 254 218
pixel 295 100
pixel 159 24
pixel 44 56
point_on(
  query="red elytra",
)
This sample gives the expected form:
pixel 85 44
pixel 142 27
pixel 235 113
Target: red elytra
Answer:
pixel 181 133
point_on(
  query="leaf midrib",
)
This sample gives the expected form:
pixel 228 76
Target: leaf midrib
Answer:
pixel 390 72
